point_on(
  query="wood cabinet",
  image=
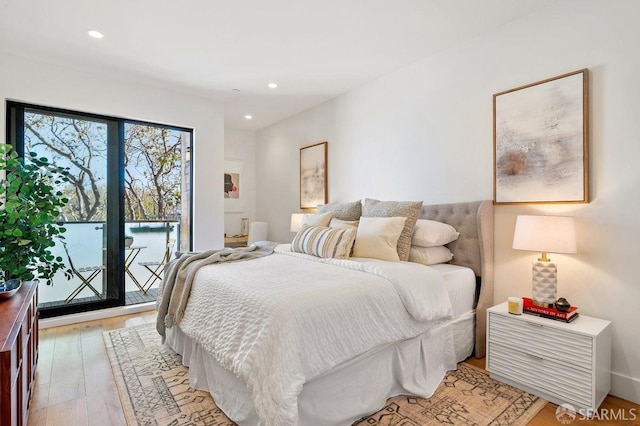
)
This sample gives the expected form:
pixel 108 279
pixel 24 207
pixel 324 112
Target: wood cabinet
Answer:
pixel 18 353
pixel 565 363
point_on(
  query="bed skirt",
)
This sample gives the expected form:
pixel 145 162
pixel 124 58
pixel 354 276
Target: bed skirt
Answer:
pixel 350 390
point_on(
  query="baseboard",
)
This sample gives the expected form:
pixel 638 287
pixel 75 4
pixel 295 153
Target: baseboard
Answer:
pixel 625 387
pixel 95 315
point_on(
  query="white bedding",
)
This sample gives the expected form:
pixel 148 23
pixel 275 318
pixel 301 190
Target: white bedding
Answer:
pixel 461 286
pixel 294 328
pixel 349 391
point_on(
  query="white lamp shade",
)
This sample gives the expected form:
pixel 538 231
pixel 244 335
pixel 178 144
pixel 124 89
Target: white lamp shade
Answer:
pixel 296 221
pixel 257 232
pixel 548 234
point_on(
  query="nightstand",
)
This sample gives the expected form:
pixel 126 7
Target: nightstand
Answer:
pixel 560 362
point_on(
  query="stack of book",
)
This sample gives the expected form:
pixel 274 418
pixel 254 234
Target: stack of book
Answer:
pixel 552 313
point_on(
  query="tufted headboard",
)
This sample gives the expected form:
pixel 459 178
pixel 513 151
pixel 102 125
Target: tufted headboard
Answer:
pixel 473 249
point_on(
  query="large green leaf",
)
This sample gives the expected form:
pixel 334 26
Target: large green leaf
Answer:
pixel 30 205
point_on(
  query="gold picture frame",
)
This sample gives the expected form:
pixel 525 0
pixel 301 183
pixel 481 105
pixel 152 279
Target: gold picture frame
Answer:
pixel 313 175
pixel 541 142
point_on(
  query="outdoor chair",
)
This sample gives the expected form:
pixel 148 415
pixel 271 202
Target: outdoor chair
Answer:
pixel 86 275
pixel 156 268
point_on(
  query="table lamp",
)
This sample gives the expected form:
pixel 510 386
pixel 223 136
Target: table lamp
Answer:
pixel 296 221
pixel 546 234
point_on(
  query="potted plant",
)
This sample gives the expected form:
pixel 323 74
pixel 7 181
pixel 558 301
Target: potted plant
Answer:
pixel 30 204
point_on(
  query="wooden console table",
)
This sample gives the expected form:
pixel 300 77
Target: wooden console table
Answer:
pixel 237 241
pixel 18 353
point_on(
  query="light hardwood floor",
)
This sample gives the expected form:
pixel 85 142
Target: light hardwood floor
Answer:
pixel 75 386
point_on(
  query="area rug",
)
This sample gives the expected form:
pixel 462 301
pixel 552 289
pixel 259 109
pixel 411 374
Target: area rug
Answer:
pixel 154 390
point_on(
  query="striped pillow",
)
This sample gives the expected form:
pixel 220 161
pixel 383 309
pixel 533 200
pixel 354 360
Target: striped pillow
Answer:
pixel 324 242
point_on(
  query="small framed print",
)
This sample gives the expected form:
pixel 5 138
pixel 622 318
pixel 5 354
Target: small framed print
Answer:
pixel 313 175
pixel 233 186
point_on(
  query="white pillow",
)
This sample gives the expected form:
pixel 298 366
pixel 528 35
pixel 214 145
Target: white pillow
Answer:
pixel 324 242
pixel 377 237
pixel 343 224
pixel 430 255
pixel 322 219
pixel 431 233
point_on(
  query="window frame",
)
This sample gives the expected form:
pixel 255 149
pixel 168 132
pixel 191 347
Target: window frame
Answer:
pixel 15 112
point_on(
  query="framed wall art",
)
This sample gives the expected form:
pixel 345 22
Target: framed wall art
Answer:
pixel 541 142
pixel 313 175
pixel 233 186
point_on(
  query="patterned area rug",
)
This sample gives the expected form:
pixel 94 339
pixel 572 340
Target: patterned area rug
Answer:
pixel 154 390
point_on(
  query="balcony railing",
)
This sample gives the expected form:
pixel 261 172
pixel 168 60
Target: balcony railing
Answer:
pixel 85 242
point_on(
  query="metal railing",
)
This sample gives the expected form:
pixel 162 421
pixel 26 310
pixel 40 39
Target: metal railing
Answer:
pixel 85 245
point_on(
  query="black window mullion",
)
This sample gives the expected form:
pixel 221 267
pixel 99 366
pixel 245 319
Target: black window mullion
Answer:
pixel 115 212
pixel 15 128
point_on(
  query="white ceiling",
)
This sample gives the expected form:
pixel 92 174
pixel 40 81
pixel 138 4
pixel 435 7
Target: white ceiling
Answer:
pixel 314 50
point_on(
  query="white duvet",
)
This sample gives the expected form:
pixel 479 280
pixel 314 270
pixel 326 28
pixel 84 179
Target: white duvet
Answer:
pixel 281 320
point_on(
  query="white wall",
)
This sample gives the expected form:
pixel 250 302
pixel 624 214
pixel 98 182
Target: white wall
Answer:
pixel 30 80
pixel 425 133
pixel 240 145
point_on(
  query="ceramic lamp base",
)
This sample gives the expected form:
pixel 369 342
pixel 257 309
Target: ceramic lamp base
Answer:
pixel 545 283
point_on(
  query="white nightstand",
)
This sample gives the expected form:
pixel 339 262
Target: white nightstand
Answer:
pixel 560 362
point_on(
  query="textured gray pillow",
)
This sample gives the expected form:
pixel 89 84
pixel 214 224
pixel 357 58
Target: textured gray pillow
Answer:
pixel 343 211
pixel 409 209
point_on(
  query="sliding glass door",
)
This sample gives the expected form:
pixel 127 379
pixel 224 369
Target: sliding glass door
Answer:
pixel 126 179
pixel 156 203
pixel 79 144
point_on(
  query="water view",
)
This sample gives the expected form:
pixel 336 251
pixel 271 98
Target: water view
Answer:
pixel 85 247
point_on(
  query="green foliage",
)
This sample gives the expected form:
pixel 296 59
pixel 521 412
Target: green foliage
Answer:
pixel 152 172
pixel 81 145
pixel 30 204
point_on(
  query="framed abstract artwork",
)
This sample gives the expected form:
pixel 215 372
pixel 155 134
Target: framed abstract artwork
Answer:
pixel 541 142
pixel 232 186
pixel 313 175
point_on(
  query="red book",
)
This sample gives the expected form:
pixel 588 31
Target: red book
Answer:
pixel 529 307
pixel 551 317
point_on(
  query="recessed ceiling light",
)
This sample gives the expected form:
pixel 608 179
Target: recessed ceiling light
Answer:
pixel 95 33
pixel 272 85
pixel 235 90
pixel 248 116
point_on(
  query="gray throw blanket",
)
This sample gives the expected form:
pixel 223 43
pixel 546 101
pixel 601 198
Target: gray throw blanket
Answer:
pixel 179 273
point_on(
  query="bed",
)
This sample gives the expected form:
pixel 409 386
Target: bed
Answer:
pixel 393 353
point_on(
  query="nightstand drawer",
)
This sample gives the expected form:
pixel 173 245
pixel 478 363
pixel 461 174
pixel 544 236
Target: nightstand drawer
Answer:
pixel 543 341
pixel 560 362
pixel 572 385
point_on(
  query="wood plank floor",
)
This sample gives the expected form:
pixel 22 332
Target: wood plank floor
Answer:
pixel 75 386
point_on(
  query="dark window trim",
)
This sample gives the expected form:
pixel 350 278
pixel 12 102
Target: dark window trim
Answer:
pixel 15 131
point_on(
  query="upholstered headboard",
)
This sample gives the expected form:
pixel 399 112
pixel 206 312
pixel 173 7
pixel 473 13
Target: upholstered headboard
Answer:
pixel 474 249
